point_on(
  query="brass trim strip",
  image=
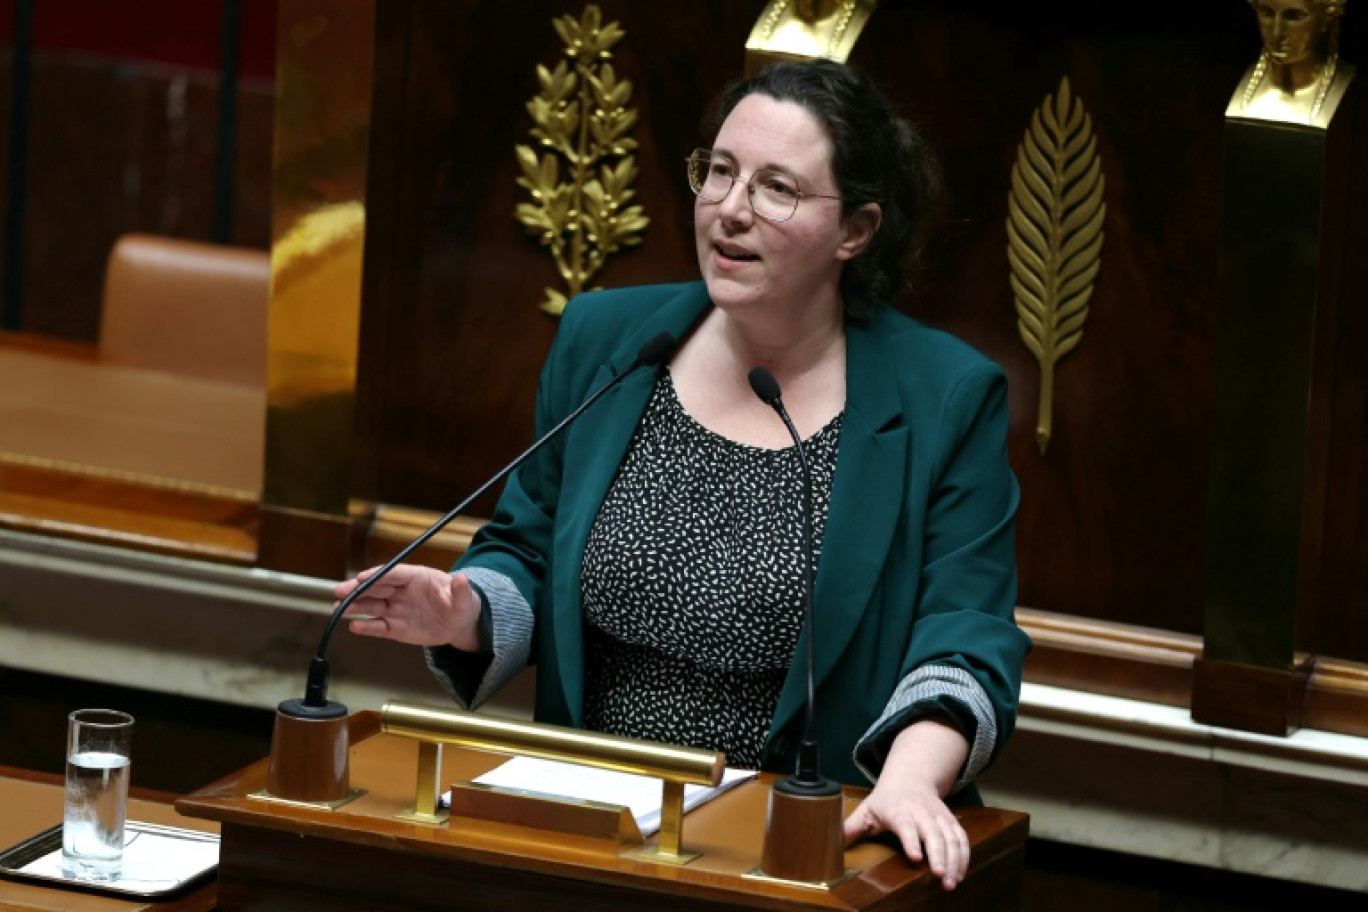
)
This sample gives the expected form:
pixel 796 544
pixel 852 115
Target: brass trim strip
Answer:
pixel 352 795
pixel 403 524
pixel 1049 629
pixel 149 481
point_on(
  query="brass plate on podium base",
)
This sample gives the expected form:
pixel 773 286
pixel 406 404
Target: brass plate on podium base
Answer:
pixel 656 856
pixel 352 795
pixel 413 815
pixel 758 874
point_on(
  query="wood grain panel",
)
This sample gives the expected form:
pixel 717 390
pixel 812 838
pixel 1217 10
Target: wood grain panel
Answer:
pixel 1336 623
pixel 1110 530
pixel 1145 663
pixel 1111 524
pixel 1140 663
pixel 454 337
pixel 1111 517
pixel 118 146
pixel 126 514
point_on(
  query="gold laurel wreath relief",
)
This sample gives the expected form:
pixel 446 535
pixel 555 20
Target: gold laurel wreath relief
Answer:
pixel 581 120
pixel 1054 236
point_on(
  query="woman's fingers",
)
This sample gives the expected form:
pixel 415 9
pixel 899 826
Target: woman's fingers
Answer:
pixel 372 627
pixel 925 832
pixel 421 606
pixel 385 589
pixel 859 824
pixel 947 849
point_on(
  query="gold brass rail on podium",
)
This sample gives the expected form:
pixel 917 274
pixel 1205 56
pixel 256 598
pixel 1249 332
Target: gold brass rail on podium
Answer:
pixel 366 856
pixel 675 766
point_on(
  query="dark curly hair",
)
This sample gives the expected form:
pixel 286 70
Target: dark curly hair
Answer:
pixel 876 157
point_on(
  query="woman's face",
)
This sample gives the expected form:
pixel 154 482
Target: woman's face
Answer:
pixel 1290 28
pixel 748 262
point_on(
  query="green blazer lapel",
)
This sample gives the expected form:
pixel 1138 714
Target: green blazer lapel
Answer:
pixel 595 448
pixel 866 500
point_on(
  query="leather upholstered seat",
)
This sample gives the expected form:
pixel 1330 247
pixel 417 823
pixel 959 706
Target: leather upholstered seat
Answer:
pixel 187 308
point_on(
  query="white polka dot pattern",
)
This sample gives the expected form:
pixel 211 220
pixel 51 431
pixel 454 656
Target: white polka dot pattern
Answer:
pixel 692 582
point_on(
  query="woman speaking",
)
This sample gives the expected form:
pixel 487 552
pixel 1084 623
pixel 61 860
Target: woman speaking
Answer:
pixel 650 560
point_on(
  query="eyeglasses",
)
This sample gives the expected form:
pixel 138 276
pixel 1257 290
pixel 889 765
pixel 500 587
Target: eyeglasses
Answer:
pixel 773 195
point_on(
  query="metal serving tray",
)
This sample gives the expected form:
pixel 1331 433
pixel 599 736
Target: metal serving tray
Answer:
pixel 158 861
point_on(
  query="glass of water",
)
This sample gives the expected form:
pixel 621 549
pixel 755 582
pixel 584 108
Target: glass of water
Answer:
pixel 97 769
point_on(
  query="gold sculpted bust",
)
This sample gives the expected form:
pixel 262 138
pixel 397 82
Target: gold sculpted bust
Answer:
pixel 1298 77
pixel 808 28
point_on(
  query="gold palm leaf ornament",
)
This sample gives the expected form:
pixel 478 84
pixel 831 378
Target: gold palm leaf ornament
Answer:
pixel 1054 236
pixel 581 121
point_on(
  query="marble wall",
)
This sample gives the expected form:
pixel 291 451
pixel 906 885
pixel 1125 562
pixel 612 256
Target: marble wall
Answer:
pixel 1143 779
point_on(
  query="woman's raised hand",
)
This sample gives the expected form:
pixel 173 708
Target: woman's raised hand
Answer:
pixel 417 605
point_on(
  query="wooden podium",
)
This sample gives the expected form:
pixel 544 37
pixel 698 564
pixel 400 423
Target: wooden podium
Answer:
pixel 363 856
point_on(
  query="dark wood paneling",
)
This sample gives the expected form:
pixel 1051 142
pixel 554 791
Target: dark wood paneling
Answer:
pixel 310 544
pixel 115 147
pixel 1139 663
pixel 1112 516
pixel 1269 701
pixel 7 90
pixel 454 336
pixel 1337 623
pixel 180 743
pixel 1338 698
pixel 1067 878
pixel 1112 519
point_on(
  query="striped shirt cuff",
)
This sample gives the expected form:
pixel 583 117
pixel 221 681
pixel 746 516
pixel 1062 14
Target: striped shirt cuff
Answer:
pixel 511 622
pixel 928 685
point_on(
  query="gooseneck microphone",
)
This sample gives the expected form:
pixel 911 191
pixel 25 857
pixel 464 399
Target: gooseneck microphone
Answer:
pixel 803 834
pixel 764 385
pixel 652 354
pixel 309 745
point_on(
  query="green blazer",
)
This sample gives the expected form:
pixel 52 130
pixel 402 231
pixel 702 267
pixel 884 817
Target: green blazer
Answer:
pixel 917 563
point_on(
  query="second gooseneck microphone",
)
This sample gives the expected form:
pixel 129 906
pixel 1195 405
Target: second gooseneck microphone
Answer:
pixel 653 353
pixel 808 779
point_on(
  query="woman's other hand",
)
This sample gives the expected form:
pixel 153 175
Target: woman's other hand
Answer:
pixel 417 605
pixel 907 801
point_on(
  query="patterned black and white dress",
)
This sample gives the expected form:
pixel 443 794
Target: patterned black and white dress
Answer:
pixel 692 582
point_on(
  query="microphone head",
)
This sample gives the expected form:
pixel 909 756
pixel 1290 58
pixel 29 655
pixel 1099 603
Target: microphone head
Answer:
pixel 764 385
pixel 655 350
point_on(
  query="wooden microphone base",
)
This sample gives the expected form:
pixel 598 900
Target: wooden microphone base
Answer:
pixel 803 839
pixel 309 754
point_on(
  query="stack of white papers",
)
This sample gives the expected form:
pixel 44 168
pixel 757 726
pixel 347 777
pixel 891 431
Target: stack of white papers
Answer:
pixel 572 781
